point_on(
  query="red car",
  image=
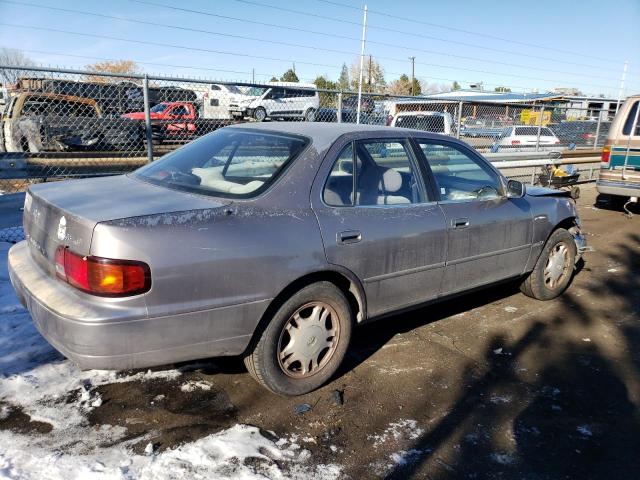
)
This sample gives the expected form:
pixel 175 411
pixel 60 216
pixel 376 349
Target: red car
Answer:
pixel 170 119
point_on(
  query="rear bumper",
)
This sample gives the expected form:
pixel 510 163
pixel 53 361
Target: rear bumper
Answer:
pixel 623 189
pixel 104 334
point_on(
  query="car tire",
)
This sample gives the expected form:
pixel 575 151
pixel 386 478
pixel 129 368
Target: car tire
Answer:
pixel 260 114
pixel 553 270
pixel 310 115
pixel 273 360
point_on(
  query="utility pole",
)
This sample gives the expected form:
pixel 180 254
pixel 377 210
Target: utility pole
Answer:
pixel 253 75
pixel 294 67
pixel 370 63
pixel 413 75
pixel 624 76
pixel 364 32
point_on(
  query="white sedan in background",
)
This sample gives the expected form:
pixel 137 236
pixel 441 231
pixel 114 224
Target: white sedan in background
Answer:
pixel 525 138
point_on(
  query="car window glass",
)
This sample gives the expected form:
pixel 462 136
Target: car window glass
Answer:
pixel 460 176
pixel 385 174
pixel 428 123
pixel 228 162
pixel 630 117
pixel 338 190
pixel 181 110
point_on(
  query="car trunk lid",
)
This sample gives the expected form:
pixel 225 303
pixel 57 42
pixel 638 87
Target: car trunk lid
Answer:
pixel 65 214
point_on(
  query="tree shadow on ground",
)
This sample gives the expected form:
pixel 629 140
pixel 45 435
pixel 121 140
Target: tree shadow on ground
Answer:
pixel 560 401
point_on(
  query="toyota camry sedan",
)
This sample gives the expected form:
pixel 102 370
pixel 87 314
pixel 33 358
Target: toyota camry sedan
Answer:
pixel 273 241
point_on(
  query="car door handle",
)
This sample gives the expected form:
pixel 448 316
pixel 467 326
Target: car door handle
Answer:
pixel 350 236
pixel 460 223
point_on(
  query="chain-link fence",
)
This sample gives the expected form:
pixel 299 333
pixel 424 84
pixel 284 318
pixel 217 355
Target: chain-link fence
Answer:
pixel 60 124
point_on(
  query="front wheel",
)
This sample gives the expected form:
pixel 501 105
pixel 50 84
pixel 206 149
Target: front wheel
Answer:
pixel 310 115
pixel 260 114
pixel 554 268
pixel 304 343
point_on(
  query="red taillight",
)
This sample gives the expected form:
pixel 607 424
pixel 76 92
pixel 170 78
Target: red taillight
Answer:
pixel 515 142
pixel 102 276
pixel 606 154
pixel 389 120
pixel 557 142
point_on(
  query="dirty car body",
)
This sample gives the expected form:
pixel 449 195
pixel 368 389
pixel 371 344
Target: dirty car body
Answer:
pixel 225 250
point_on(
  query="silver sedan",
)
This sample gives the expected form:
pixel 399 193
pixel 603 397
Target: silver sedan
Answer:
pixel 272 241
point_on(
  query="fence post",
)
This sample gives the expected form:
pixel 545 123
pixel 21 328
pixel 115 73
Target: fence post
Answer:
pixel 595 142
pixel 539 129
pixel 147 117
pixel 459 121
pixel 339 110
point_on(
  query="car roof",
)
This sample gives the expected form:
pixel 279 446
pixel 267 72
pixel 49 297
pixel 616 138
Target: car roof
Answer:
pixel 325 132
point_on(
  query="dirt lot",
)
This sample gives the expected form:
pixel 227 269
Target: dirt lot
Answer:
pixel 490 385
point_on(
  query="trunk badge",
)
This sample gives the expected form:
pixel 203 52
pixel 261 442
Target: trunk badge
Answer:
pixel 62 228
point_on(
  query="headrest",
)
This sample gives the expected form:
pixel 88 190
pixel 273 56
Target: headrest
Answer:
pixel 391 181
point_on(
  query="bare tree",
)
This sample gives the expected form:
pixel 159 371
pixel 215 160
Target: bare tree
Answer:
pixel 10 57
pixel 123 67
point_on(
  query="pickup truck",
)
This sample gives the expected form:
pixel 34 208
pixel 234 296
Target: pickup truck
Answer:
pixel 175 121
pixel 51 122
pixel 170 119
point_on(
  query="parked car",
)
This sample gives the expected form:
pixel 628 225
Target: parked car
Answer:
pixel 37 122
pixel 280 101
pixel 525 138
pixel 436 122
pixel 367 104
pixel 580 133
pixel 170 119
pixel 620 165
pixel 484 126
pixel 219 99
pixel 272 241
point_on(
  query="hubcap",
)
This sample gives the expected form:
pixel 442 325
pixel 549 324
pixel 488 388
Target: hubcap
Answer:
pixel 308 340
pixel 557 265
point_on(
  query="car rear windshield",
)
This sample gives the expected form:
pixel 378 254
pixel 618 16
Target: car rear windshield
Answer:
pixel 545 132
pixel 228 163
pixel 429 123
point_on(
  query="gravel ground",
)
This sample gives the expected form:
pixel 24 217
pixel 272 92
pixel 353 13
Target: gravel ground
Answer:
pixel 489 385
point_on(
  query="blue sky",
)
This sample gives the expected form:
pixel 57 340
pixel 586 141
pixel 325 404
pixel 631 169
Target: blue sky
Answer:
pixel 541 45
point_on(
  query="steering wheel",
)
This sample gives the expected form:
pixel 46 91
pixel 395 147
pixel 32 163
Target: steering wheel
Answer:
pixel 182 177
pixel 485 191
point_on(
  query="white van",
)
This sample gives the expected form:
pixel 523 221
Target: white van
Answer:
pixel 280 100
pixel 437 122
pixel 219 99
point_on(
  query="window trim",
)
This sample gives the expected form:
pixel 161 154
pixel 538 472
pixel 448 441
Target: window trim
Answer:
pixel 469 152
pixel 413 161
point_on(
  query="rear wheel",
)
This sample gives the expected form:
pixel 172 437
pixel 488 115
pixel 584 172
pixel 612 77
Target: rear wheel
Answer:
pixel 304 343
pixel 554 268
pixel 260 114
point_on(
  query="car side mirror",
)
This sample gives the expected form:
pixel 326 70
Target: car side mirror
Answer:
pixel 515 189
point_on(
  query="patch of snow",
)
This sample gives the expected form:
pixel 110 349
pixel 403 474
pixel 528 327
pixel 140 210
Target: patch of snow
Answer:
pixel 510 309
pixel 48 388
pixel 586 339
pixel 398 431
pixel 500 399
pixel 503 458
pixel 193 385
pixel 612 270
pixel 405 457
pixel 584 430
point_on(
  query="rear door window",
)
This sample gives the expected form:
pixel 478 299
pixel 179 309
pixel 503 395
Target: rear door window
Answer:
pixel 385 174
pixel 629 121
